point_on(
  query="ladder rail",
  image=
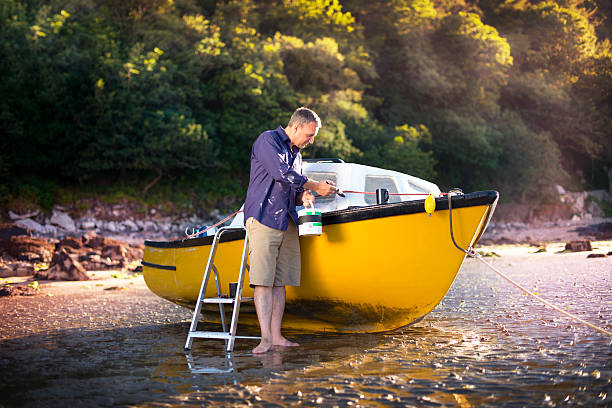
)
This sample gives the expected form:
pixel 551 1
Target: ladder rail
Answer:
pixel 238 299
pixel 221 309
pixel 198 307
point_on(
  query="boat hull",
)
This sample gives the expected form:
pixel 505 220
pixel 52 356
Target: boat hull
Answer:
pixel 373 269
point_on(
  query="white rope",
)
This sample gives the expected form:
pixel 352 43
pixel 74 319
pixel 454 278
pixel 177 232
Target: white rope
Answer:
pixel 476 255
pixel 558 309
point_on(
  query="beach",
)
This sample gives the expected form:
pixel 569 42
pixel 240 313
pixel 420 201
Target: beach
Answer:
pixel 111 342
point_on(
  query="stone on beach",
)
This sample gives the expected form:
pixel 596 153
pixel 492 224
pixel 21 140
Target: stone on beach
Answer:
pixel 63 220
pixel 17 290
pixel 70 258
pixel 14 216
pixel 597 256
pixel 26 248
pixel 71 242
pixel 577 246
pixel 31 225
pixel 16 269
pixel 63 267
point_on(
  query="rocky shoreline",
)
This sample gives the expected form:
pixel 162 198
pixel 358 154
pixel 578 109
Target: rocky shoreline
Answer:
pixel 117 221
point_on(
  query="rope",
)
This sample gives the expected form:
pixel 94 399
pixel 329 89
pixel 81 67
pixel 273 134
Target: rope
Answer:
pixel 470 252
pixel 396 194
pixel 558 309
pixel 212 226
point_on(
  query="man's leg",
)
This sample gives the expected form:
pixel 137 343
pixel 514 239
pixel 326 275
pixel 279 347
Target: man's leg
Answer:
pixel 264 306
pixel 278 308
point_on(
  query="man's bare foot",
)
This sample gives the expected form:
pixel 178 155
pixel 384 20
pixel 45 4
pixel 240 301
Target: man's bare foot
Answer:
pixel 262 347
pixel 284 342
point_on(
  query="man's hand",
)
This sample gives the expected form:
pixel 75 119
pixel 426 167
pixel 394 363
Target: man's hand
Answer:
pixel 308 198
pixel 322 188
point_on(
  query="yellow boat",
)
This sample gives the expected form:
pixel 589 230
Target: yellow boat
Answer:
pixel 374 268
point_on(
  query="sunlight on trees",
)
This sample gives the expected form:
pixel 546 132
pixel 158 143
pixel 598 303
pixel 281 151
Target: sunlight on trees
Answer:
pixel 511 95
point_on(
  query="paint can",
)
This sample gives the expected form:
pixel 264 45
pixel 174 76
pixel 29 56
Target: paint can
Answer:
pixel 310 222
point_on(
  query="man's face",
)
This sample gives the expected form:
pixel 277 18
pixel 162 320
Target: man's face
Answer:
pixel 304 135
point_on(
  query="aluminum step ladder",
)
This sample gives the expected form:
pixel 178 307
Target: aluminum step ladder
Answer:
pixel 228 335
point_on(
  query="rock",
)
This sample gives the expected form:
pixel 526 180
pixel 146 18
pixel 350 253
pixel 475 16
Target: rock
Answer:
pixel 8 230
pixel 594 209
pixel 96 242
pixel 22 269
pixel 17 269
pixel 90 239
pixel 111 226
pixel 596 256
pixel 17 290
pixel 63 267
pixel 577 246
pixel 96 263
pixel 50 230
pixel 129 224
pixel 63 220
pixel 88 223
pixel 30 249
pixel 71 242
pixel 31 225
pixel 135 252
pixel 14 216
pixel 5 271
pixel 114 252
pixel 150 226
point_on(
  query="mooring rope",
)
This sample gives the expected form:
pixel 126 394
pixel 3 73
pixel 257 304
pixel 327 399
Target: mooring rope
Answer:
pixel 212 226
pixel 470 252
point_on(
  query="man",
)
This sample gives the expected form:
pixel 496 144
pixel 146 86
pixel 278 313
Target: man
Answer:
pixel 276 186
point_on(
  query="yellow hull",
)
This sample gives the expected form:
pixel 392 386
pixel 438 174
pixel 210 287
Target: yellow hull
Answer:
pixel 373 269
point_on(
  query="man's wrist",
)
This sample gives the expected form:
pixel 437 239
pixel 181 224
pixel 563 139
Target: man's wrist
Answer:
pixel 312 185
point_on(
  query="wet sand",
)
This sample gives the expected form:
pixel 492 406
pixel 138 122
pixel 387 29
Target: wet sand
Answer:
pixel 486 344
pixel 111 298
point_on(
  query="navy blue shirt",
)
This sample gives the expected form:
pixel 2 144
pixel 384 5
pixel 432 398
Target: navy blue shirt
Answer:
pixel 276 179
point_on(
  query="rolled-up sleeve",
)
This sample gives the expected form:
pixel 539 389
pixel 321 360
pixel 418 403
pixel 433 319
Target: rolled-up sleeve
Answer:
pixel 274 160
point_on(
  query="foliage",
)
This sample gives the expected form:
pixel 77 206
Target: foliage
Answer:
pixel 168 95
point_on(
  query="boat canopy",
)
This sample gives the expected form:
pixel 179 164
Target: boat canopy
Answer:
pixel 358 177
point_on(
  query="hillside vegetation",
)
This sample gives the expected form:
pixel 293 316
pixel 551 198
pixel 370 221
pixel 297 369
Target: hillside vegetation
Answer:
pixel 162 99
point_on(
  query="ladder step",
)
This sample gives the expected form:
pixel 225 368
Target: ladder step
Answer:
pixel 218 335
pixel 210 335
pixel 225 300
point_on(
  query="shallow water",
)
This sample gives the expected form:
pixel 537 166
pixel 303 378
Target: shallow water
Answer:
pixel 486 344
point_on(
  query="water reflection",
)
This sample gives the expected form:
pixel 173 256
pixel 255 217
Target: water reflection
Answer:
pixel 202 365
pixel 485 345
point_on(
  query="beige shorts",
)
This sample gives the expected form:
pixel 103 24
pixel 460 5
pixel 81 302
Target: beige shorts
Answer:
pixel 274 255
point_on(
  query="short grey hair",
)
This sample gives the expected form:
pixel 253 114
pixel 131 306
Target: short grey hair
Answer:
pixel 303 116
